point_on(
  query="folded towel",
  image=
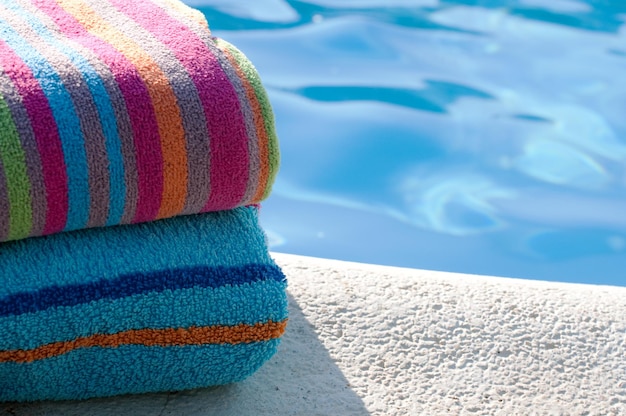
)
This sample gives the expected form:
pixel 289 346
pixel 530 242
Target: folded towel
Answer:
pixel 174 304
pixel 119 112
pixel 134 148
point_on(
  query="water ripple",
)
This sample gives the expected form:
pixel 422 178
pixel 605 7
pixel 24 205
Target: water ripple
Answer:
pixel 277 14
pixel 434 97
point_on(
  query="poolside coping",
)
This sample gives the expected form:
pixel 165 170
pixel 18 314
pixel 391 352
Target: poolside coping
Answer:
pixel 366 339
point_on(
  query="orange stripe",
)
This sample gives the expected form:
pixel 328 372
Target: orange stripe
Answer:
pixel 173 143
pixel 154 338
pixel 259 124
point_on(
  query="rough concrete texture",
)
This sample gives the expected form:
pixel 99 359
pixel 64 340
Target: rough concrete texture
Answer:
pixel 377 340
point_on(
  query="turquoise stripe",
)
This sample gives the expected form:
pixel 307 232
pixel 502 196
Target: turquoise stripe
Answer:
pixel 229 305
pixel 226 238
pixel 96 371
pixel 102 100
pixel 67 124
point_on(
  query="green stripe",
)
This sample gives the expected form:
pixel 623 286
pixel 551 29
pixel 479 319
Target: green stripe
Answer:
pixel 266 110
pixel 18 184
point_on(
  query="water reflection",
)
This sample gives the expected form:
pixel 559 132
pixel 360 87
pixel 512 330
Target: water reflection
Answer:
pixel 560 164
pixel 457 203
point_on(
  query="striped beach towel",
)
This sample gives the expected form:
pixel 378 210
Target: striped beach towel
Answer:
pixel 134 150
pixel 119 112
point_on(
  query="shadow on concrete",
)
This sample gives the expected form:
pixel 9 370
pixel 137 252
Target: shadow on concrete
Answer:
pixel 301 379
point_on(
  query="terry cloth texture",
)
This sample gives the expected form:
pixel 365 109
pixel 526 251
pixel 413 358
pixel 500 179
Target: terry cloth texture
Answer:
pixel 118 112
pixel 174 304
pixel 134 149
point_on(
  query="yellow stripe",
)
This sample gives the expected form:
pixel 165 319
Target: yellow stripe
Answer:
pixel 188 12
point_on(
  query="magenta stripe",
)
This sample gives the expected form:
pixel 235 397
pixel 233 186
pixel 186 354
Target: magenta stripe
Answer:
pixel 47 137
pixel 228 138
pixel 139 104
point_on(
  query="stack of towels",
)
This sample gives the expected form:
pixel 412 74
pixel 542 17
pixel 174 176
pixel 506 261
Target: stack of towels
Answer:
pixel 134 150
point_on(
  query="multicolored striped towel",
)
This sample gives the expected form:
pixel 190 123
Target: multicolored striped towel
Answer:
pixel 175 304
pixel 119 112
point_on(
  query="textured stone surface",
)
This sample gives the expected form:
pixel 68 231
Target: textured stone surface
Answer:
pixel 377 340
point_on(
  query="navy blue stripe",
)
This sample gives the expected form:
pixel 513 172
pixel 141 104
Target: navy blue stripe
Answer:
pixel 137 283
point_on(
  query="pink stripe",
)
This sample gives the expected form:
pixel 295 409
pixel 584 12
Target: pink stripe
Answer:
pixel 138 103
pixel 225 123
pixel 46 136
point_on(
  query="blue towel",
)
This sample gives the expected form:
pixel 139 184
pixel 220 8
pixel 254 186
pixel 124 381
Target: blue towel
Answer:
pixel 174 304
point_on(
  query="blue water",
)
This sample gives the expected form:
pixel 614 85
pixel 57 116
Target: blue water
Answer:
pixel 483 137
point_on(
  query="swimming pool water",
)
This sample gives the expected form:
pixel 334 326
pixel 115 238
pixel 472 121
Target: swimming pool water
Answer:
pixel 482 137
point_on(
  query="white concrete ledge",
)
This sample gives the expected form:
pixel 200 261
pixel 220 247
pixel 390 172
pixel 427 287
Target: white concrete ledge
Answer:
pixel 368 339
